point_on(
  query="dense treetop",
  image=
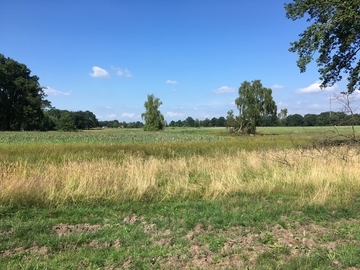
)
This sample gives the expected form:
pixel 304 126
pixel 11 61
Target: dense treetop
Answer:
pixel 333 37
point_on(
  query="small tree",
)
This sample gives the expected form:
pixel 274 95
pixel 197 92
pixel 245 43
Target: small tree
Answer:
pixel 254 102
pixel 231 122
pixel 282 116
pixel 346 101
pixel 154 120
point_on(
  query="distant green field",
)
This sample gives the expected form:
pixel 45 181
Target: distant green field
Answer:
pixel 320 130
pixel 136 136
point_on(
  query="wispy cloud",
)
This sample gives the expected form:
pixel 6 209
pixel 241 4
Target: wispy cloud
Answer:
pixel 315 106
pixel 282 104
pixel 99 72
pixel 122 73
pixel 277 86
pixel 224 89
pixel 173 114
pixel 356 94
pixel 315 88
pixel 112 115
pixel 128 115
pixel 171 82
pixel 52 92
pixel 127 73
pixel 118 71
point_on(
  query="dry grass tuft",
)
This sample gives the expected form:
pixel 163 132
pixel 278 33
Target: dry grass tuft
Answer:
pixel 314 176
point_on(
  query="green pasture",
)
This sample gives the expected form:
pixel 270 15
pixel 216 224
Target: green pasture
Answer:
pixel 172 142
pixel 260 230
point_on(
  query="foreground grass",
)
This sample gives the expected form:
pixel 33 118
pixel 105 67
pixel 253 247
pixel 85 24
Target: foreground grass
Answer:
pixel 277 201
pixel 243 231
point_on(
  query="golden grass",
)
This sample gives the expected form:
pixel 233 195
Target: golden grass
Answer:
pixel 315 176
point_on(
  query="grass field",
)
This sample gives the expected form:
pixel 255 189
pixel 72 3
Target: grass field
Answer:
pixel 288 198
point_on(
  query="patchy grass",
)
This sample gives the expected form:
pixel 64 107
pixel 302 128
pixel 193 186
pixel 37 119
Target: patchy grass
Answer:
pixel 239 232
pixel 209 200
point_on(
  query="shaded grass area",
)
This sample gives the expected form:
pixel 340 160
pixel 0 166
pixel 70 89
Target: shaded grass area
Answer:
pixel 240 231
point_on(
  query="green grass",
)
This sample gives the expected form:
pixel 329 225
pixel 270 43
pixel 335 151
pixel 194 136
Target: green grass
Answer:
pixel 161 232
pixel 243 230
pixel 113 143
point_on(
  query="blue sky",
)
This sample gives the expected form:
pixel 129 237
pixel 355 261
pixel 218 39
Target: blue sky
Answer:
pixel 107 56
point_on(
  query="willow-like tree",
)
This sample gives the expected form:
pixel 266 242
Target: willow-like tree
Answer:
pixel 254 102
pixel 333 36
pixel 154 120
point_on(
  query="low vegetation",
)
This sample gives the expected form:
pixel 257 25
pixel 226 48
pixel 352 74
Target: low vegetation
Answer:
pixel 181 198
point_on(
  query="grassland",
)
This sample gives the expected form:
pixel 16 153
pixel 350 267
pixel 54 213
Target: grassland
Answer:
pixel 288 198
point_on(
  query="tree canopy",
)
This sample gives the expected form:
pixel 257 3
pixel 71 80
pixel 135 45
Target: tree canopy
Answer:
pixel 254 102
pixel 334 35
pixel 154 120
pixel 21 97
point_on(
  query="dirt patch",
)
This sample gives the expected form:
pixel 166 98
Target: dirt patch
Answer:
pixel 128 263
pixel 197 230
pixel 5 233
pixel 34 249
pixel 97 244
pixel 65 229
pixel 132 219
pixel 244 245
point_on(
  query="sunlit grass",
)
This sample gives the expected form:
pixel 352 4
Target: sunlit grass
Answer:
pixel 232 189
pixel 317 176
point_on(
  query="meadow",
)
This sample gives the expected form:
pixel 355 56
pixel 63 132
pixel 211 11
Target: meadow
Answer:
pixel 183 198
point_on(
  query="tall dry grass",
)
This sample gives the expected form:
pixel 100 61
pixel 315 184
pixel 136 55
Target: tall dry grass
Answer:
pixel 314 176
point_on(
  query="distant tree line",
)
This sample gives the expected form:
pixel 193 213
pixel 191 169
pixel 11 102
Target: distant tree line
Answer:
pixel 282 119
pixel 64 120
pixel 322 119
pixel 117 124
pixel 190 122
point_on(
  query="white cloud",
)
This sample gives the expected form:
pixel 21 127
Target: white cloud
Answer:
pixel 99 72
pixel 224 89
pixel 111 115
pixel 173 114
pixel 277 86
pixel 315 88
pixel 356 94
pixel 282 104
pixel 128 115
pixel 121 72
pixel 127 73
pixel 315 106
pixel 171 82
pixel 52 92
